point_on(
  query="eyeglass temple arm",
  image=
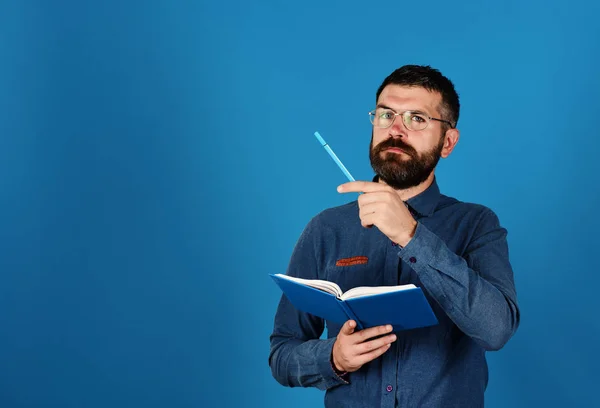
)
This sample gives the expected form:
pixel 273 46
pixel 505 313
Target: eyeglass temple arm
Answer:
pixel 445 121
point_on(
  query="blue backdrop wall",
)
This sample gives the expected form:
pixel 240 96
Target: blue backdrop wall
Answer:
pixel 157 161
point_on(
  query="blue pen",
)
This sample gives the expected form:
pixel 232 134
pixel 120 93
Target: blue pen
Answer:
pixel 333 156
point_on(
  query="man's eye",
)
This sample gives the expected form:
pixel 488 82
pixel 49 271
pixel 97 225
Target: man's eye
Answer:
pixel 386 115
pixel 418 118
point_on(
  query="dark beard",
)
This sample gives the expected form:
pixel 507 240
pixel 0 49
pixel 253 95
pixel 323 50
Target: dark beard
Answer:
pixel 402 172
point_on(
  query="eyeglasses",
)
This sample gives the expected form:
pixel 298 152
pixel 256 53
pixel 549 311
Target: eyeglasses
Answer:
pixel 413 120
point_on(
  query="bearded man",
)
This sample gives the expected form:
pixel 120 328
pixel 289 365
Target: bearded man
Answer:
pixel 404 231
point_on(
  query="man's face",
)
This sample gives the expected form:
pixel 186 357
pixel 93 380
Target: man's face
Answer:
pixel 401 157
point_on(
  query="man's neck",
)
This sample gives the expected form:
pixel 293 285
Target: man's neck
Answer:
pixel 408 193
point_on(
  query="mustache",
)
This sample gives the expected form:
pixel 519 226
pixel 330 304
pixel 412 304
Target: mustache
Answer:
pixel 389 143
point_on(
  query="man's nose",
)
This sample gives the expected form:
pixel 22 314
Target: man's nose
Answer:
pixel 398 129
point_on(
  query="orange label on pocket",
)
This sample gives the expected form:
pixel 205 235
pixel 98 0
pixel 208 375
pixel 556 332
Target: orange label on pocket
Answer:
pixel 355 260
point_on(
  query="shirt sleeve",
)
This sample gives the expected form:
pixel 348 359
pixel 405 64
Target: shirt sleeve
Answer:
pixel 298 357
pixel 476 290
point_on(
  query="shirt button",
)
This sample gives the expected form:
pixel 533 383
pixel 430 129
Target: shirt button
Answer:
pixel 389 388
pixel 413 259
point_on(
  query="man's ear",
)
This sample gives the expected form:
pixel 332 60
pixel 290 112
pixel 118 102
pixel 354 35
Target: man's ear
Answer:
pixel 450 140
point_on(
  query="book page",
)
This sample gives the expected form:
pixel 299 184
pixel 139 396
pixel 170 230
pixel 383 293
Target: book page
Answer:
pixel 326 286
pixel 373 290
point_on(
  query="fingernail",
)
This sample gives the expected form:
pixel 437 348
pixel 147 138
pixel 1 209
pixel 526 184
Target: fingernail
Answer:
pixel 388 327
pixel 339 189
pixel 393 338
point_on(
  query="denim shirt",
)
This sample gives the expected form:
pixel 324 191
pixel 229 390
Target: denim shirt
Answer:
pixel 458 256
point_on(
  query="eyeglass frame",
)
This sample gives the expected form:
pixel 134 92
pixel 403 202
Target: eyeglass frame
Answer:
pixel 396 114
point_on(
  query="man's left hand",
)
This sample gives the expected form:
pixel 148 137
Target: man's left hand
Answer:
pixel 381 206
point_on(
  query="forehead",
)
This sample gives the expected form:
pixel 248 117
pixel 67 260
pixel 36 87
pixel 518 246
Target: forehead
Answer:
pixel 400 97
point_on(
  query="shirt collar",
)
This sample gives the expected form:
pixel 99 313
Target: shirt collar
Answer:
pixel 424 203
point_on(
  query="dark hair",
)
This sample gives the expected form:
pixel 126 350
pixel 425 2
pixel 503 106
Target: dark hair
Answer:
pixel 431 79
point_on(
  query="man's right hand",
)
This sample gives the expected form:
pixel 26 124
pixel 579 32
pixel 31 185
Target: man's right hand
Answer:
pixel 352 350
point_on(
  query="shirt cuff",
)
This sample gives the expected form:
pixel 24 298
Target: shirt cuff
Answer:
pixel 422 248
pixel 343 375
pixel 426 253
pixel 327 368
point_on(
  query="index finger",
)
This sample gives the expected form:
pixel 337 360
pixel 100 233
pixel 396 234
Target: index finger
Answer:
pixel 360 186
pixel 370 333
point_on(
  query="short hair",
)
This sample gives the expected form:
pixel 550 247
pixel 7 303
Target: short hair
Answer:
pixel 431 79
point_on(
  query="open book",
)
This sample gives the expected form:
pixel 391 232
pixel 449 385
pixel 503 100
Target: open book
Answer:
pixel 334 288
pixel 404 307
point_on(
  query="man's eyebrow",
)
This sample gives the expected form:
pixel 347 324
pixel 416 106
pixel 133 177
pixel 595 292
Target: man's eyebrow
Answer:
pixel 381 105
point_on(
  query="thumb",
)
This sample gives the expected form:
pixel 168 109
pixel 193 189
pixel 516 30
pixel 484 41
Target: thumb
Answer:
pixel 348 327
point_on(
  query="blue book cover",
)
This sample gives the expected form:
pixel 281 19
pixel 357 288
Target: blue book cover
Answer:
pixel 404 307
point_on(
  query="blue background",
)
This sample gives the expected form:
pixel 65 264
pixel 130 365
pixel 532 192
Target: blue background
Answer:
pixel 157 161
